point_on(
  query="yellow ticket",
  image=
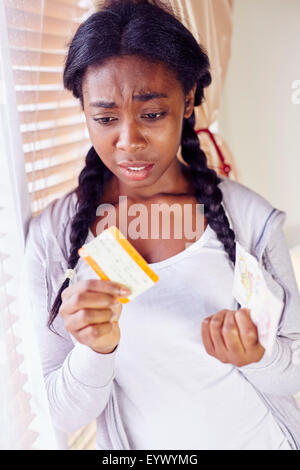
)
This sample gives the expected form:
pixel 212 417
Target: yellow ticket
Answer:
pixel 113 257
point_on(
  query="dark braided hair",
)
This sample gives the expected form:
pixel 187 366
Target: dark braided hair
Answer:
pixel 89 191
pixel 205 182
pixel 150 30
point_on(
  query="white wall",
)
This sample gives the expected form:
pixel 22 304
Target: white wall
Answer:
pixel 257 116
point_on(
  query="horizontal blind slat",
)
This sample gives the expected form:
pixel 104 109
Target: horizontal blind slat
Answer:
pixel 55 169
pixel 28 77
pixel 39 204
pixel 41 96
pixel 58 150
pixel 82 3
pixel 65 185
pixel 33 39
pixel 39 115
pixel 33 22
pixel 42 134
pixel 24 57
pixel 51 8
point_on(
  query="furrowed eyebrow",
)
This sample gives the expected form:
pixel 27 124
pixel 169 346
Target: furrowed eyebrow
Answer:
pixel 143 98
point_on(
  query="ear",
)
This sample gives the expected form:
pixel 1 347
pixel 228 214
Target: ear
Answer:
pixel 189 102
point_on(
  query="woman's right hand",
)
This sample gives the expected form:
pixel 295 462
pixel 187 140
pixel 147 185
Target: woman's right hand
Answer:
pixel 91 313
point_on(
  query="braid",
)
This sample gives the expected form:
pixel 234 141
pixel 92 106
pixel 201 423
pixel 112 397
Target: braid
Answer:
pixel 89 191
pixel 205 181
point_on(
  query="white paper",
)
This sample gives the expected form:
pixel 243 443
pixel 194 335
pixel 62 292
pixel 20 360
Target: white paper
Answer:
pixel 117 264
pixel 251 291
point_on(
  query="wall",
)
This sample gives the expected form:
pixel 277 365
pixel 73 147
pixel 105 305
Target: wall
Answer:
pixel 257 117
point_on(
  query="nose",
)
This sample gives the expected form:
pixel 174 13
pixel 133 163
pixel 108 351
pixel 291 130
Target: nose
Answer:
pixel 130 138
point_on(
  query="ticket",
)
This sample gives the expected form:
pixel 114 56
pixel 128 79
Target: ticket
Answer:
pixel 251 291
pixel 114 258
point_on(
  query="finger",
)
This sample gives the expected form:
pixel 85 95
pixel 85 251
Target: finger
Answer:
pixel 206 338
pixel 117 310
pixel 87 300
pixel 231 335
pixel 86 317
pixel 216 324
pixel 247 329
pixel 94 331
pixel 95 285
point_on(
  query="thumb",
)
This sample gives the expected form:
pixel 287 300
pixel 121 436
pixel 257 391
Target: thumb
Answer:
pixel 247 329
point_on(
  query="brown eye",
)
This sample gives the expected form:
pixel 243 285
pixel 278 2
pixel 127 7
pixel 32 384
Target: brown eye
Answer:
pixel 104 120
pixel 155 116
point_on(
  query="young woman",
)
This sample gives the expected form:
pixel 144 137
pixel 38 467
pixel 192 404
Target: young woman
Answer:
pixel 182 367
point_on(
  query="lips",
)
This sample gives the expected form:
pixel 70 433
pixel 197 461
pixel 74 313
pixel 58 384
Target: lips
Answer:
pixel 135 164
pixel 136 171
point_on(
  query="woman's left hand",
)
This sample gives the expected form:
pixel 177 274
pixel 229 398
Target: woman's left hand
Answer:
pixel 232 337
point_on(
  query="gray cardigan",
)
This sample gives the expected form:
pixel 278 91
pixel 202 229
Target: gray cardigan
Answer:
pixel 80 382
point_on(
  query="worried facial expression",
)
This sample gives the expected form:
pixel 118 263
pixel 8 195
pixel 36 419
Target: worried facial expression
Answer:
pixel 134 112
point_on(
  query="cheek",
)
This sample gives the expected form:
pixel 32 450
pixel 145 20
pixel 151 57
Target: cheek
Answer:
pixel 101 139
pixel 95 130
pixel 169 139
pixel 102 144
pixel 169 133
pixel 175 126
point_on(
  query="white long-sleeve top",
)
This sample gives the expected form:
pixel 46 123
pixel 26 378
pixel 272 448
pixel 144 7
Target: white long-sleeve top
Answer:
pixel 160 389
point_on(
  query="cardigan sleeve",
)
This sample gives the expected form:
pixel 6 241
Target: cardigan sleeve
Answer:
pixel 280 373
pixel 78 380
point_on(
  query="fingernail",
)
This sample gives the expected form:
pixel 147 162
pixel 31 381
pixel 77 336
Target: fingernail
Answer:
pixel 113 317
pixel 118 289
pixel 238 314
pixel 125 291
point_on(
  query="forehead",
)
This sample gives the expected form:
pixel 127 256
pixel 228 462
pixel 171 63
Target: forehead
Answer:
pixel 121 77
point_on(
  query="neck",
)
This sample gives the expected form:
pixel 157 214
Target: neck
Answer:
pixel 176 181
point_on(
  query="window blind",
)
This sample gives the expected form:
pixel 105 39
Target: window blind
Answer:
pixel 18 415
pixel 54 140
pixel 20 425
pixel 54 134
